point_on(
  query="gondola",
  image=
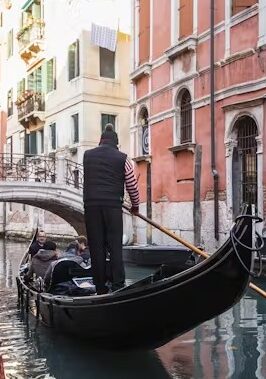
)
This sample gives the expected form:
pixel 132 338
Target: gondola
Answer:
pixel 158 308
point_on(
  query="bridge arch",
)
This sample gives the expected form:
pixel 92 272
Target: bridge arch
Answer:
pixel 65 203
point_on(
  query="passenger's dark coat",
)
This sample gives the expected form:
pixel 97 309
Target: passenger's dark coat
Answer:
pixel 41 262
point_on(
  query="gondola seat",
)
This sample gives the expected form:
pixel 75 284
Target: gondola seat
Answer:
pixel 63 271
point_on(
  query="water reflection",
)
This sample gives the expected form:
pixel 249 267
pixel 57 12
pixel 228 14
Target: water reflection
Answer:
pixel 231 346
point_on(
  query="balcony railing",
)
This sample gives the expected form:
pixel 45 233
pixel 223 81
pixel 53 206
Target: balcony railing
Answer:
pixel 30 104
pixel 30 39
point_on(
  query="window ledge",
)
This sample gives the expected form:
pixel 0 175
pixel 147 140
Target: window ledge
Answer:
pixel 181 47
pixel 142 158
pixel 189 146
pixel 144 69
pixel 109 80
pixel 75 79
pixel 236 56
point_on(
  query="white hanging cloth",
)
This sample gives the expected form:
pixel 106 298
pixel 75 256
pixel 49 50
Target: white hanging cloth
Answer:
pixel 103 36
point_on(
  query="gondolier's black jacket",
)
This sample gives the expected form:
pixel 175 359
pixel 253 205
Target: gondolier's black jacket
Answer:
pixel 104 176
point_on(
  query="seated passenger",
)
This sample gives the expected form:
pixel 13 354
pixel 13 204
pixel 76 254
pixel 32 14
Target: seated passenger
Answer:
pixel 41 261
pixel 76 247
pixel 40 243
pixel 78 250
pixel 72 253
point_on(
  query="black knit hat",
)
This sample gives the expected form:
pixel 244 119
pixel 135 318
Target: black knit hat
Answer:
pixel 109 136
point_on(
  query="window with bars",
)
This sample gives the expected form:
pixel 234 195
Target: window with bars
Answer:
pixel 107 119
pixel 10 102
pixel 185 117
pixel 244 164
pixel 73 60
pixel 247 147
pixel 145 146
pixel 53 136
pixel 107 63
pixel 75 126
pixel 240 5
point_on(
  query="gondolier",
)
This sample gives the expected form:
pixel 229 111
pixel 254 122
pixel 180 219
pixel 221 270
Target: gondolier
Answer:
pixel 106 172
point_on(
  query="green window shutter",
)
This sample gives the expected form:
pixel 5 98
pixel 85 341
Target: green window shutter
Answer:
pixel 42 140
pixel 71 62
pixel 53 135
pixel 38 79
pixel 54 73
pixel 77 57
pixel 50 75
pixel 27 143
pixel 30 82
pixel 10 43
pixel 75 118
pixel 10 103
pixel 20 87
pixel 33 143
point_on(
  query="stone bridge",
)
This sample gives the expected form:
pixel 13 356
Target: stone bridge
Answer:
pixel 51 183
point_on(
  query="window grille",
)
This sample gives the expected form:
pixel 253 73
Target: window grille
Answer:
pixel 186 118
pixel 247 148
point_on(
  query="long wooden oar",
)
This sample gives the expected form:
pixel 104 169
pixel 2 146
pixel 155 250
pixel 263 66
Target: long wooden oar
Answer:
pixel 187 244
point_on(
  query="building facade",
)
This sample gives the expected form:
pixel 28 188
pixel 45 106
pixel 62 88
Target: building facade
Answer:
pixel 171 137
pixel 59 88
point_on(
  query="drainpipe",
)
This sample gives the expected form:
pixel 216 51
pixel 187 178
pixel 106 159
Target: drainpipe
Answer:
pixel 149 202
pixel 212 109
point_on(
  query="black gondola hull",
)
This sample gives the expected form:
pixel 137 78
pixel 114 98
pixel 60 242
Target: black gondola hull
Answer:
pixel 155 313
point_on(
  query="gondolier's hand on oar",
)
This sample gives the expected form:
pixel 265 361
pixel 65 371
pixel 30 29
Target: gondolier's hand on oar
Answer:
pixel 134 210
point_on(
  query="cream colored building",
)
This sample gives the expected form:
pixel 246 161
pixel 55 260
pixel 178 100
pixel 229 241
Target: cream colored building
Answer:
pixel 59 88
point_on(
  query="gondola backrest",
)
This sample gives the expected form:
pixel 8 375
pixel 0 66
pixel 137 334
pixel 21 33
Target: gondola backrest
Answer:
pixel 64 270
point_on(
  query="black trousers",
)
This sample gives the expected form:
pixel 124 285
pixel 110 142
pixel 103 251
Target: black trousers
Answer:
pixel 104 226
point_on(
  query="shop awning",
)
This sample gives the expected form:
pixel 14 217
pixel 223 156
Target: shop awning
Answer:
pixel 27 4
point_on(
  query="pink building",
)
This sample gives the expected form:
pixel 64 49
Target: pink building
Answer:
pixel 177 159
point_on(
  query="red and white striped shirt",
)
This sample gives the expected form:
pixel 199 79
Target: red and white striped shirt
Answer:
pixel 131 184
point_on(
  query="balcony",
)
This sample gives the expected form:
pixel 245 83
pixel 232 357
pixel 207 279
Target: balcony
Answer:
pixel 31 107
pixel 30 40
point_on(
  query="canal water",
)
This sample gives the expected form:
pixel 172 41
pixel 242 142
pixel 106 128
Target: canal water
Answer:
pixel 232 345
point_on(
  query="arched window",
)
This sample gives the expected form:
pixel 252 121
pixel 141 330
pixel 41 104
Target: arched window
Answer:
pixel 185 117
pixel 244 173
pixel 144 131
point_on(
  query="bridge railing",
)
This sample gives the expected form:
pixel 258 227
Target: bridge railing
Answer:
pixel 41 168
pixel 74 174
pixel 26 167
